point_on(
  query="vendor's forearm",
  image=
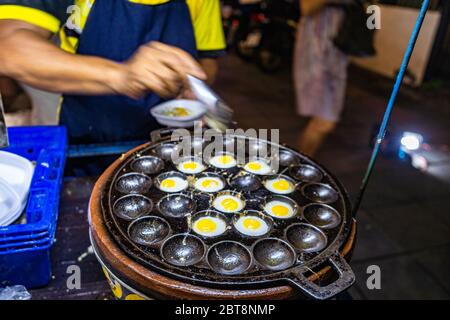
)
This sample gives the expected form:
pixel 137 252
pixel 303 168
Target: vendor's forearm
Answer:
pixel 29 57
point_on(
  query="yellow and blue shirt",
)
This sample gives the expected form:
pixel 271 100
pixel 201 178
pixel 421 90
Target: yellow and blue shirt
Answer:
pixel 52 15
pixel 114 29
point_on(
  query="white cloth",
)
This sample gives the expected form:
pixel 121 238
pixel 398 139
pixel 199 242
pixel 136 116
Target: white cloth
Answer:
pixel 45 106
pixel 320 69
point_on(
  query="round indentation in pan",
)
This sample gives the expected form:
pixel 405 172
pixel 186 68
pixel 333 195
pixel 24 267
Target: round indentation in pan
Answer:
pixel 233 145
pixel 306 238
pixel 229 201
pixel 183 250
pixel 280 184
pixel 190 165
pixel 252 224
pixel 274 254
pixel 209 182
pixel 209 224
pixel 171 182
pixel 258 148
pixel 259 166
pixel 320 193
pixel 229 144
pixel 192 146
pixel 280 207
pixel 229 258
pixel 176 205
pixel 133 183
pixel 165 150
pixel 198 144
pixel 149 230
pixel 222 160
pixel 306 173
pixel 287 158
pixel 322 216
pixel 245 182
pixel 148 165
pixel 132 206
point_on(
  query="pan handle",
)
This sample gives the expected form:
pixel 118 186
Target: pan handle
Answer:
pixel 345 280
pixel 159 134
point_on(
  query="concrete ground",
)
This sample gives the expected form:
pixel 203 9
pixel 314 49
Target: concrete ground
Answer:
pixel 404 221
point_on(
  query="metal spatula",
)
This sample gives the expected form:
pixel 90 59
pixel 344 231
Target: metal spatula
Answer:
pixel 4 142
pixel 219 115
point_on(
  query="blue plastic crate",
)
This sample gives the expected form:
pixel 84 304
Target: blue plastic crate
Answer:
pixel 46 184
pixel 29 141
pixel 23 242
pixel 25 248
pixel 30 267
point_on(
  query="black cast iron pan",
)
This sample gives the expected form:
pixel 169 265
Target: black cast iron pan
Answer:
pixel 289 252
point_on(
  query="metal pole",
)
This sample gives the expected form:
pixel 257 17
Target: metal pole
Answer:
pixel 390 106
pixel 4 142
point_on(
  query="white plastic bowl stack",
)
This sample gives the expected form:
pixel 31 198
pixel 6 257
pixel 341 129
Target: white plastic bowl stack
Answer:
pixel 15 178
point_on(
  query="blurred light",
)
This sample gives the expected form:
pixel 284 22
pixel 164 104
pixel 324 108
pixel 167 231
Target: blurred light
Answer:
pixel 411 141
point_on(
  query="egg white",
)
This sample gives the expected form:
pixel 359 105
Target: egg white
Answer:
pixel 271 186
pixel 215 162
pixel 199 167
pixel 217 203
pixel 220 227
pixel 180 185
pixel 199 184
pixel 269 209
pixel 260 231
pixel 265 167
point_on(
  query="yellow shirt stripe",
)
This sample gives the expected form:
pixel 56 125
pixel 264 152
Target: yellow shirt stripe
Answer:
pixel 33 16
pixel 205 14
pixel 208 27
pixel 149 2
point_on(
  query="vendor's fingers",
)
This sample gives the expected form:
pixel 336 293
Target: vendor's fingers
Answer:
pixel 172 62
pixel 180 60
pixel 188 94
pixel 155 84
pixel 159 60
pixel 171 79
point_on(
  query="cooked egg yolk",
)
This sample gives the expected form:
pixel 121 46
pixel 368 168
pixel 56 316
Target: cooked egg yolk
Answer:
pixel 190 165
pixel 206 225
pixel 210 184
pixel 251 224
pixel 282 185
pixel 225 160
pixel 230 204
pixel 255 166
pixel 280 211
pixel 180 112
pixel 168 183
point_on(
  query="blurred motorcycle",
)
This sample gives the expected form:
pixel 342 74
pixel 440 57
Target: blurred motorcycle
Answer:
pixel 264 32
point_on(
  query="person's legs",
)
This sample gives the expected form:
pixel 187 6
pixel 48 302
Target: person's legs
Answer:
pixel 312 137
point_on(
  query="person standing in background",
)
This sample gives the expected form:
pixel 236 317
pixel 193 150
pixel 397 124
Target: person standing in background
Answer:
pixel 320 71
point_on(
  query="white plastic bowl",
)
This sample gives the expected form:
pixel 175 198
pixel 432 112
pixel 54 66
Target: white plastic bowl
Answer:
pixel 197 111
pixel 10 204
pixel 17 172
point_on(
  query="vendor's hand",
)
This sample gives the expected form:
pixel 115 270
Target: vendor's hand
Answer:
pixel 158 68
